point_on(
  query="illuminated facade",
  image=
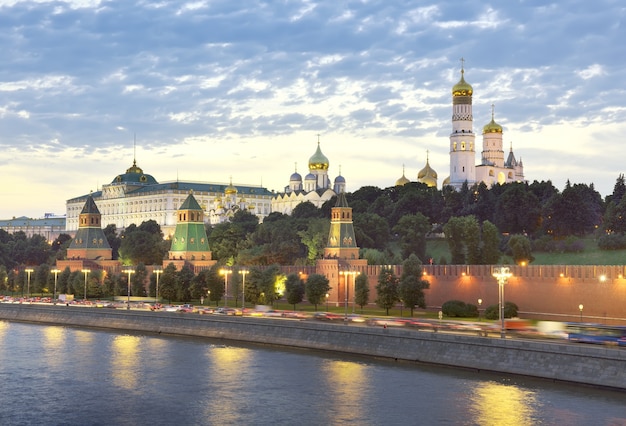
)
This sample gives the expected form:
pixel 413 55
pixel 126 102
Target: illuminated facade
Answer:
pixel 493 168
pixel 135 197
pixel 315 187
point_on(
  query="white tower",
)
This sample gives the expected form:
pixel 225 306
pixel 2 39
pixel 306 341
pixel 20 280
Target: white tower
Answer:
pixel 462 138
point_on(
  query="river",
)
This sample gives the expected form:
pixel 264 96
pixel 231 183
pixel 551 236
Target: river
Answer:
pixel 55 375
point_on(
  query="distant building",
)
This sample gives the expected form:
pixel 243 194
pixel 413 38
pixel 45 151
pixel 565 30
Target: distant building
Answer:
pixel 135 197
pixel 493 168
pixel 50 227
pixel 315 188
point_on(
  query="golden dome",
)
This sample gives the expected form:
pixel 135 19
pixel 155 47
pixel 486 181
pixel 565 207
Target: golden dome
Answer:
pixel 230 189
pixel 427 175
pixel 492 127
pixel 403 180
pixel 318 161
pixel 462 88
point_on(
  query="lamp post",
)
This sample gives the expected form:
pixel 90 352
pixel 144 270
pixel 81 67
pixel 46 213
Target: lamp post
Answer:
pixel 327 301
pixel 28 272
pixel 86 272
pixel 157 272
pixel 480 302
pixel 208 295
pixel 129 272
pixel 243 273
pixel 580 308
pixel 502 274
pixel 345 286
pixel 225 272
pixel 56 274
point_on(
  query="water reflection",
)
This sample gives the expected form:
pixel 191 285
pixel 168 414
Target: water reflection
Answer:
pixel 228 366
pixel 500 404
pixel 347 381
pixel 125 361
pixel 53 346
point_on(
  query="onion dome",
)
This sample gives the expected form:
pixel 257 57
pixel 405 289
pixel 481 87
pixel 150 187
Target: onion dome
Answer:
pixel 251 207
pixel 427 175
pixel 403 180
pixel 340 179
pixel 318 161
pixel 295 177
pixel 446 181
pixel 310 176
pixel 462 88
pixel 492 127
pixel 230 189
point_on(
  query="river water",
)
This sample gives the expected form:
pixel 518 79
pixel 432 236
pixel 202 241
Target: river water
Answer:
pixel 53 375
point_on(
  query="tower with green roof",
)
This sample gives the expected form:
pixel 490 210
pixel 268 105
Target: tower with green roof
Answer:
pixel 89 241
pixel 189 242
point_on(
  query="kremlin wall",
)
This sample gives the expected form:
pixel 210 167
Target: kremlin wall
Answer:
pixel 182 209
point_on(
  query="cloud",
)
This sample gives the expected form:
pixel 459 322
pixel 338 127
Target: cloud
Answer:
pixel 191 79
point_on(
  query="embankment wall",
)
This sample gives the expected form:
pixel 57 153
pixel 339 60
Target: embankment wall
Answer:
pixel 598 366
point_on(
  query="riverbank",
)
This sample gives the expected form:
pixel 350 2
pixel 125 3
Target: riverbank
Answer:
pixel 584 364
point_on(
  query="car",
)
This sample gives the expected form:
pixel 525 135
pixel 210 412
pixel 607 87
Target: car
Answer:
pixel 328 316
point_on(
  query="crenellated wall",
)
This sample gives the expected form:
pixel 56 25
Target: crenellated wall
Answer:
pixel 552 292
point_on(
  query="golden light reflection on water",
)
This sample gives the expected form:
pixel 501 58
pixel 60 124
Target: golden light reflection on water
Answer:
pixel 53 344
pixel 346 380
pixel 499 404
pixel 229 364
pixel 125 361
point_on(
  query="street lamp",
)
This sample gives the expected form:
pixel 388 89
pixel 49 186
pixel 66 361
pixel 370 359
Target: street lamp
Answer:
pixel 56 274
pixel 28 272
pixel 157 272
pixel 327 301
pixel 243 273
pixel 225 272
pixel 129 272
pixel 580 308
pixel 86 272
pixel 480 302
pixel 502 274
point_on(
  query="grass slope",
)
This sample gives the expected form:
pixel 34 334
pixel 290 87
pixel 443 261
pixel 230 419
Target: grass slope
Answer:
pixel 438 249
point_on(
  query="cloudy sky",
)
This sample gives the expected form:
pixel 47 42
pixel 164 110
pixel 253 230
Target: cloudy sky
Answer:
pixel 213 90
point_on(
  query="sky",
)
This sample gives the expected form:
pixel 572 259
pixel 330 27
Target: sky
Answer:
pixel 221 90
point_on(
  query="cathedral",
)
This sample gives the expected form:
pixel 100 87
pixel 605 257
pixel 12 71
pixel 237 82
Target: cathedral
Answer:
pixel 493 167
pixel 315 187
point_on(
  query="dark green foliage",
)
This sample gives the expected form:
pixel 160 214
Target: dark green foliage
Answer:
pixel 387 289
pixel 411 231
pixel 294 290
pixel 411 285
pixel 317 286
pixel 510 311
pixel 519 249
pixel 612 242
pixel 454 308
pixel 361 290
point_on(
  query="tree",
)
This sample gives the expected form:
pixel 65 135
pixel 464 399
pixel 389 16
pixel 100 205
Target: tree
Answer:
pixel 371 230
pixel 517 210
pixel 138 280
pixel 490 253
pixel 314 238
pixel 143 244
pixel 361 290
pixel 412 231
pixel 317 286
pixel 454 231
pixel 184 278
pixel 411 287
pixel 168 284
pixel 294 290
pixel 520 249
pixel 387 289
